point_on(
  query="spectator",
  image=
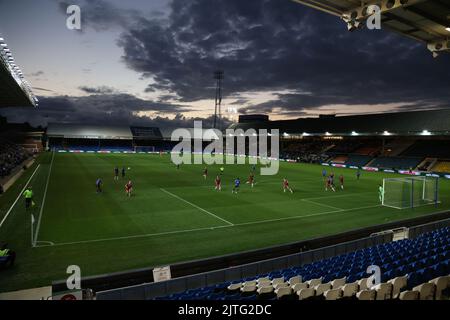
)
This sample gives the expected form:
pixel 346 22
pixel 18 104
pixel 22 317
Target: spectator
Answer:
pixel 7 256
pixel 11 156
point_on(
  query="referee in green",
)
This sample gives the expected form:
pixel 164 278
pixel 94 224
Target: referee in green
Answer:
pixel 28 194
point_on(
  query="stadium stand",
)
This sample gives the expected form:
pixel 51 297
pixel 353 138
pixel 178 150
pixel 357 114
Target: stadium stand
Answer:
pixel 340 159
pixel 395 147
pixel 309 151
pixel 345 146
pixel 430 148
pixel 396 162
pixel 11 156
pixel 146 133
pixel 358 160
pixel 420 265
pixel 442 166
pixel 89 137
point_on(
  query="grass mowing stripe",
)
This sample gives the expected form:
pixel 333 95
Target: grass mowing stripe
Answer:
pixel 18 197
pixel 322 204
pixel 203 229
pixel 43 201
pixel 195 206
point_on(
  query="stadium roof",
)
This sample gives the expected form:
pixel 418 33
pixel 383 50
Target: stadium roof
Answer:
pixel 88 131
pixel 14 89
pixel 207 133
pixel 420 123
pixel 427 21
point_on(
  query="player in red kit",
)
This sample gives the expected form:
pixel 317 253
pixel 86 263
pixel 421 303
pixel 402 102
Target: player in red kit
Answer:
pixel 251 180
pixel 129 188
pixel 286 186
pixel 341 180
pixel 218 183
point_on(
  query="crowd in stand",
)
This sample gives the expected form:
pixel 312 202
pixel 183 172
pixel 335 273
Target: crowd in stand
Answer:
pixel 309 152
pixel 11 155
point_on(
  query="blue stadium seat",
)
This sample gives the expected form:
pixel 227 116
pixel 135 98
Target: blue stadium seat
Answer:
pixel 421 259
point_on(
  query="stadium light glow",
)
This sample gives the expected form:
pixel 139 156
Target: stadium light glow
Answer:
pixel 448 29
pixel 286 134
pixel 327 133
pixel 426 133
pixel 386 133
pixel 306 134
pixel 354 133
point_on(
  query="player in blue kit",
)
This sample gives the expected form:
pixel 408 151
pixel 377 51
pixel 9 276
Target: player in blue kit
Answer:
pixel 237 184
pixel 98 184
pixel 324 174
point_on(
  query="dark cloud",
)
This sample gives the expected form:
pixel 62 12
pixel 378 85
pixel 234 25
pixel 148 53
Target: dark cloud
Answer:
pixel 36 74
pixel 276 45
pixel 96 108
pixel 262 45
pixel 101 15
pixel 98 90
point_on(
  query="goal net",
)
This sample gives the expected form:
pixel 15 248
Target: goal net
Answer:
pixel 410 192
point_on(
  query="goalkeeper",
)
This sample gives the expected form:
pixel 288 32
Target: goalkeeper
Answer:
pixel 381 193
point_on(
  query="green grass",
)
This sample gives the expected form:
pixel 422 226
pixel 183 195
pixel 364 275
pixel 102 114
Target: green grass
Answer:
pixel 174 215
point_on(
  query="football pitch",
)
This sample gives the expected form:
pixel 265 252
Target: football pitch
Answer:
pixel 174 214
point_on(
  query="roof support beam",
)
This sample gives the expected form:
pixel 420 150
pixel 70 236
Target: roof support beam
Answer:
pixel 437 20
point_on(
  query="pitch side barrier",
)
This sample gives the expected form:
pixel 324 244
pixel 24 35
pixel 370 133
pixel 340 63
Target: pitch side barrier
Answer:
pixel 230 267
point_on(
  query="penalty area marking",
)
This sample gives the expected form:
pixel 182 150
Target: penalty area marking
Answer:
pixel 195 206
pixel 18 197
pixel 322 204
pixel 203 229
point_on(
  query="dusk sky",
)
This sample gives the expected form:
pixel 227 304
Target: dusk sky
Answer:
pixel 151 62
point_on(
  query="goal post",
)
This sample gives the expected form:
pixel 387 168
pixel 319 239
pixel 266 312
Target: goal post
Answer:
pixel 410 192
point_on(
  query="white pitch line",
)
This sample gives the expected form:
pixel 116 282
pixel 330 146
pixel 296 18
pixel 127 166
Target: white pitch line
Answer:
pixel 18 197
pixel 197 207
pixel 339 195
pixel 43 201
pixel 204 229
pixel 49 242
pixel 322 204
pixel 306 216
pixel 132 237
